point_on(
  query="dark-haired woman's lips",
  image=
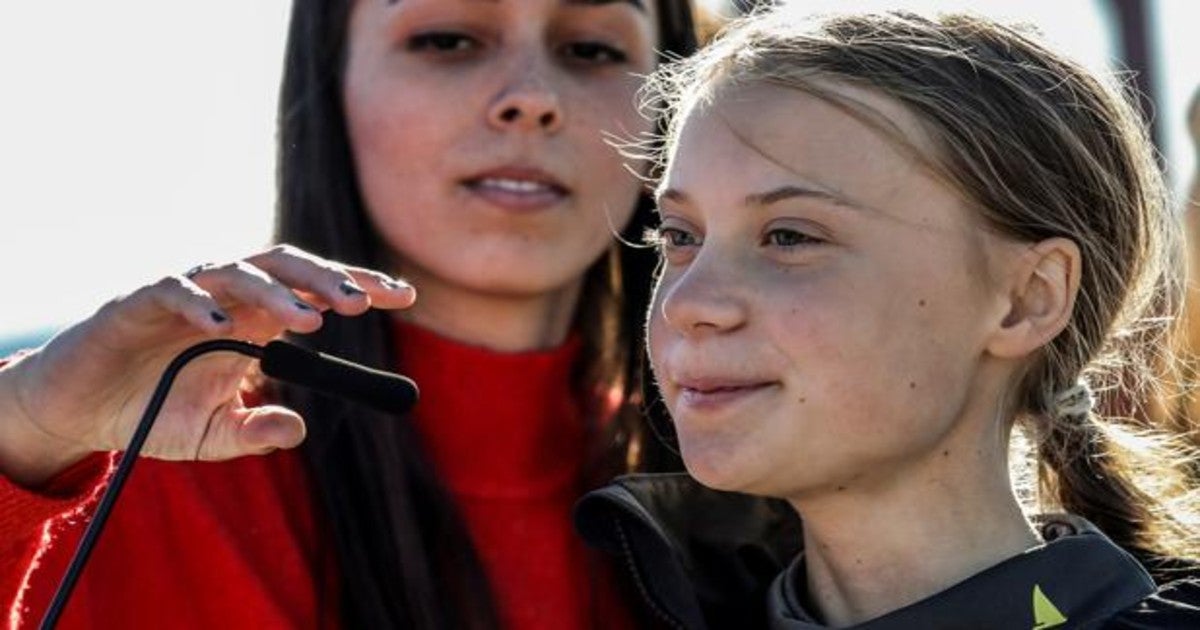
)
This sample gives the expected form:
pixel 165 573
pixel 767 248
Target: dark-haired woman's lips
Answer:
pixel 518 191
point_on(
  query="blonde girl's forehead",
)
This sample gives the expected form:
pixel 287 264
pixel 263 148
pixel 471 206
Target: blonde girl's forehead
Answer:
pixel 761 116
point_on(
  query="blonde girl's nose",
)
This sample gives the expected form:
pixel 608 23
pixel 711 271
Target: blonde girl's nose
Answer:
pixel 701 303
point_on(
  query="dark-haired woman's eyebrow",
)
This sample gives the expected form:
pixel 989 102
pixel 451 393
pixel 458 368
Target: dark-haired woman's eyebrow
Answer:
pixel 637 4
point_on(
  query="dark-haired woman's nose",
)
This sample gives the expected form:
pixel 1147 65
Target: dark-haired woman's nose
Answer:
pixel 528 103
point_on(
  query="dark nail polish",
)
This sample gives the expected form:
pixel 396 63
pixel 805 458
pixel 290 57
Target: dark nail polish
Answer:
pixel 218 316
pixel 304 306
pixel 349 288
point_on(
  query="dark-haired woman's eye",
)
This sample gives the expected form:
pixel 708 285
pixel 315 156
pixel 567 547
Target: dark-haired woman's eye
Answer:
pixel 788 239
pixel 593 53
pixel 442 42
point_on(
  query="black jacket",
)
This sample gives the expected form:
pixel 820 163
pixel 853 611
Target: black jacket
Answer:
pixel 703 560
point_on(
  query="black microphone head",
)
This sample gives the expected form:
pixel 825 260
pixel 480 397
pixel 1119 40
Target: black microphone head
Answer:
pixel 382 390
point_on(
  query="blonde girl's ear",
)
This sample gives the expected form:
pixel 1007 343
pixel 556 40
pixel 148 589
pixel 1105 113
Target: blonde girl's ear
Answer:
pixel 1043 281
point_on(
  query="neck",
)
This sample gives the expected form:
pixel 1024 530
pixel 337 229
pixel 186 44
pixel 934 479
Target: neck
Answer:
pixel 503 323
pixel 874 549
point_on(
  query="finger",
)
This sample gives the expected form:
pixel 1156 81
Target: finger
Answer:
pixel 385 291
pixel 248 285
pixel 254 431
pixel 180 297
pixel 330 282
pixel 271 427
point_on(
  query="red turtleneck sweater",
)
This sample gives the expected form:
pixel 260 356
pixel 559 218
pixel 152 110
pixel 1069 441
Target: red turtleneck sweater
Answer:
pixel 238 544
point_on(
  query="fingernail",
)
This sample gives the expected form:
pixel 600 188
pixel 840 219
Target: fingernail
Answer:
pixel 349 288
pixel 218 317
pixel 304 306
pixel 394 285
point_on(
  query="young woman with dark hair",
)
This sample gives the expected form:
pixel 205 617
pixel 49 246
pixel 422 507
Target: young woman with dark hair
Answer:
pixel 459 145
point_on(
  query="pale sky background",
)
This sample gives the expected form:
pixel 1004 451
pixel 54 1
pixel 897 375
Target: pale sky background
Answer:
pixel 136 135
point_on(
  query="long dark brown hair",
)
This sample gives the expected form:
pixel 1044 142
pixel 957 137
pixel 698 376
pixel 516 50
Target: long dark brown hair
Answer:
pixel 404 555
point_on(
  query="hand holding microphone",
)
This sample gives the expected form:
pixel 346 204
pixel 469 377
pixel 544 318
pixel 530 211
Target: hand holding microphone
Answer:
pixel 103 384
pixel 386 391
pixel 85 390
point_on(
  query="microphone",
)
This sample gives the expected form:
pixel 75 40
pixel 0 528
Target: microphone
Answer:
pixel 384 391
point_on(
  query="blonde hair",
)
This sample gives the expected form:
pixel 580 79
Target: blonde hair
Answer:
pixel 1040 147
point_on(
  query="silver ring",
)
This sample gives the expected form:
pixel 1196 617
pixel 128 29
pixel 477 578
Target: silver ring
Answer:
pixel 190 274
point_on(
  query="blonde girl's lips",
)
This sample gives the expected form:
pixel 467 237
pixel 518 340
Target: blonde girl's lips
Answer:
pixel 715 398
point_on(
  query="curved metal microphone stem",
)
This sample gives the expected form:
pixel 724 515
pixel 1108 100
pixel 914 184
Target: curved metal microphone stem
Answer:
pixel 128 459
pixel 280 360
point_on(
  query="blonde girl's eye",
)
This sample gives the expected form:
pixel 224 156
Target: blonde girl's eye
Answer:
pixel 670 238
pixel 676 245
pixel 442 42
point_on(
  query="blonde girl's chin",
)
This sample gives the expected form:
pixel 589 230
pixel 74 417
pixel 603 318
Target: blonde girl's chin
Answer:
pixel 718 473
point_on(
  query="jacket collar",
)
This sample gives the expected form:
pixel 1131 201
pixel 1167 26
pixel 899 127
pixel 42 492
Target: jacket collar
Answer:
pixel 1031 590
pixel 700 558
pixel 707 559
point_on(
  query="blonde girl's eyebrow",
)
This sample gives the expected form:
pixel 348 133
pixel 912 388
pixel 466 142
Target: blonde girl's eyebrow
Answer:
pixel 637 4
pixel 769 197
pixel 671 194
pixel 792 191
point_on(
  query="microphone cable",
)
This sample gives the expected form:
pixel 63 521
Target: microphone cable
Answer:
pixel 278 359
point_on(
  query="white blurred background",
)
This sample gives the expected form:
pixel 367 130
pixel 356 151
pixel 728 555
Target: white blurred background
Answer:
pixel 136 137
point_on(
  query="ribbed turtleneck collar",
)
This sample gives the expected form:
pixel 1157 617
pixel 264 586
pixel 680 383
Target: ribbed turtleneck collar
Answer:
pixel 495 424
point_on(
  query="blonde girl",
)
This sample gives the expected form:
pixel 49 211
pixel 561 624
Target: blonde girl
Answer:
pixel 890 243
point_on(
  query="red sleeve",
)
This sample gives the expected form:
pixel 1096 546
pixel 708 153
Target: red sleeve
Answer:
pixel 26 515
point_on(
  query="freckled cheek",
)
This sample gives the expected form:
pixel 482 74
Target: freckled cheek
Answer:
pixel 609 109
pixel 399 148
pixel 841 353
pixel 810 327
pixel 913 370
pixel 613 101
pixel 374 133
